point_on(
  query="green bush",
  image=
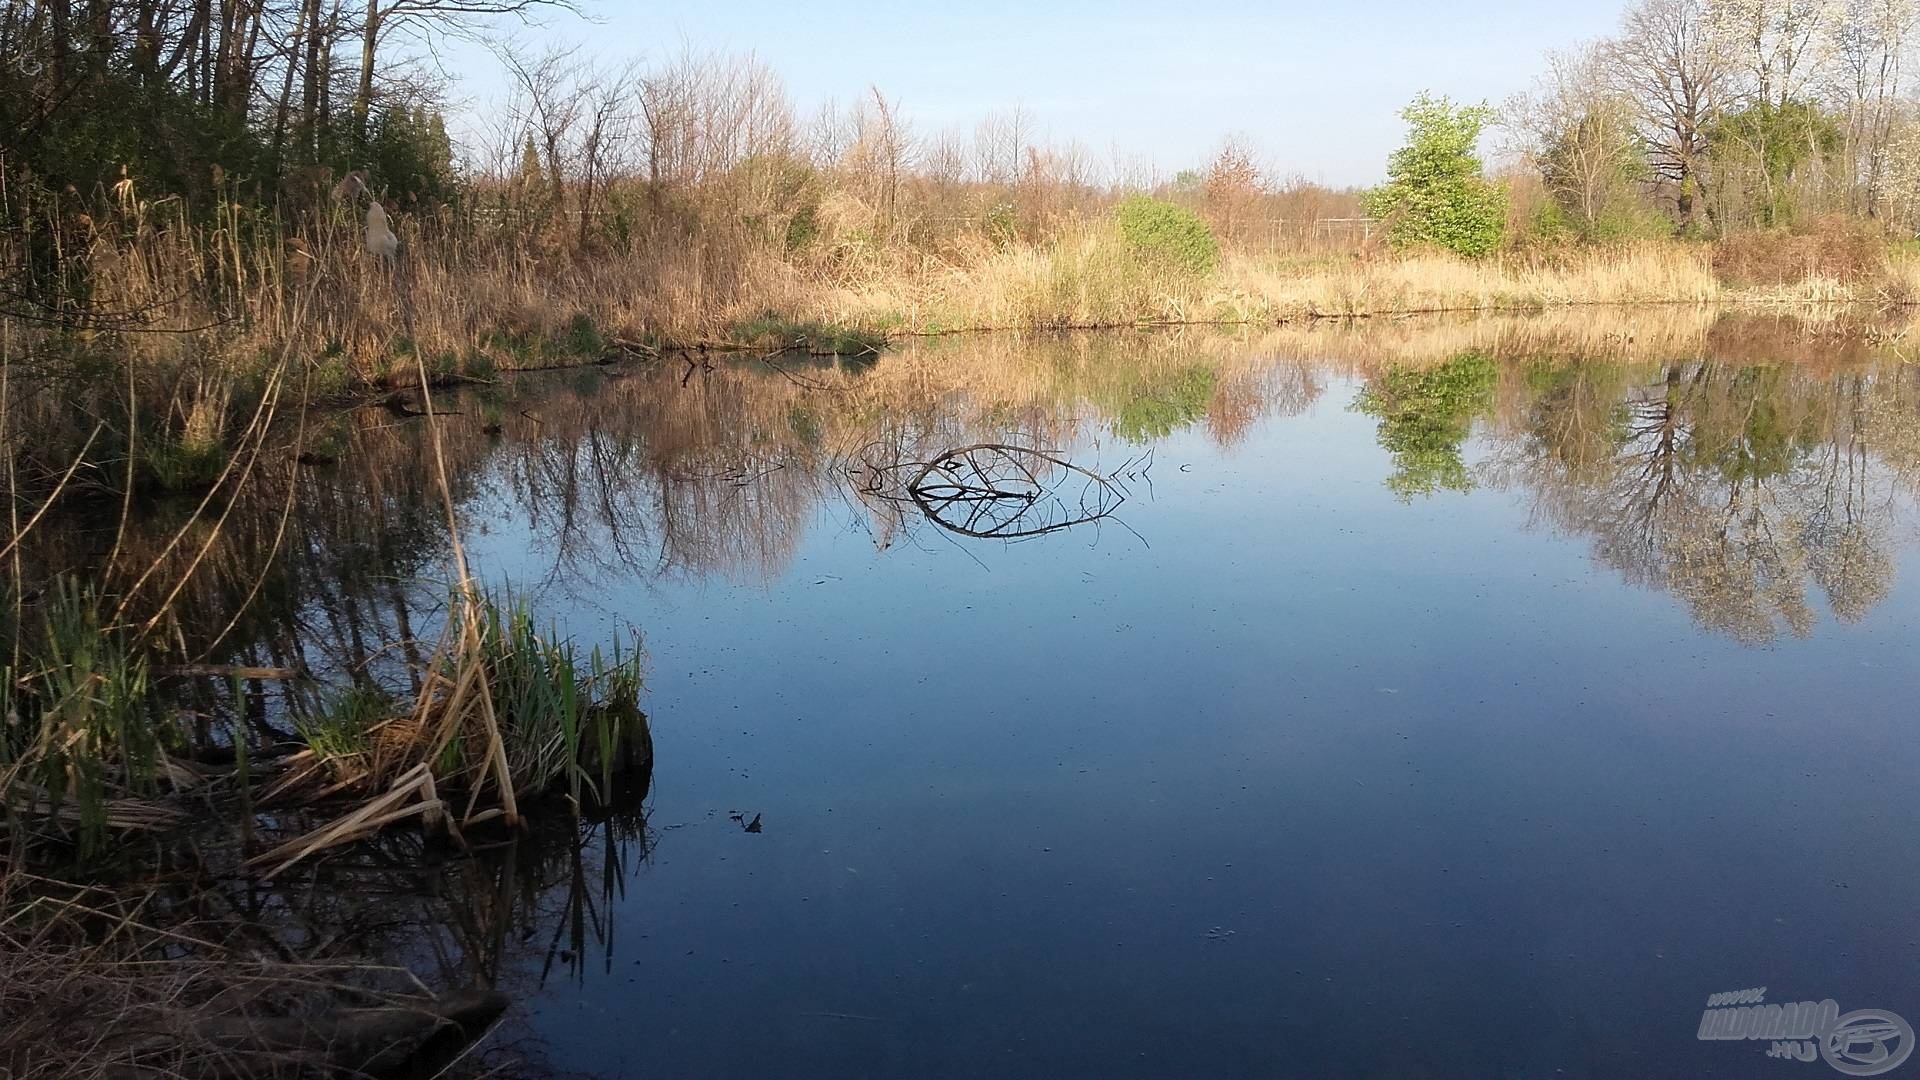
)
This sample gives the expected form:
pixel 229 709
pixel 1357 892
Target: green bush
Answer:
pixel 1168 236
pixel 1160 410
pixel 1435 194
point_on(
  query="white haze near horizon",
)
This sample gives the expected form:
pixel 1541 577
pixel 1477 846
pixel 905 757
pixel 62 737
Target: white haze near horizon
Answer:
pixel 1315 88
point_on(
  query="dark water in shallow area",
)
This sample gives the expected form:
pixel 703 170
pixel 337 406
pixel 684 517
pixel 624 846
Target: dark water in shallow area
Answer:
pixel 1459 702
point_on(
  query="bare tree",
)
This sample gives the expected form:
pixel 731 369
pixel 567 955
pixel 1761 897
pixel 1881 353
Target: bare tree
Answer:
pixel 430 16
pixel 547 104
pixel 880 156
pixel 1869 45
pixel 944 160
pixel 1669 62
pixel 576 116
pixel 1576 130
pixel 1235 185
pixel 1000 144
pixel 703 116
pixel 1776 47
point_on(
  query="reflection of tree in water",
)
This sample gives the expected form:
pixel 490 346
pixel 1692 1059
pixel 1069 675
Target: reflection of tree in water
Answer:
pixel 1273 388
pixel 720 470
pixel 1730 487
pixel 1157 410
pixel 1425 416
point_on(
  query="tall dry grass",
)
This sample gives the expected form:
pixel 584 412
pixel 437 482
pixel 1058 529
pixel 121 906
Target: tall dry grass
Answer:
pixel 1431 282
pixel 468 299
pixel 1085 278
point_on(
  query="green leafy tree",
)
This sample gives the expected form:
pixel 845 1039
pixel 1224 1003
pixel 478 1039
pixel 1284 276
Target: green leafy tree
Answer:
pixel 1425 416
pixel 1770 147
pixel 1168 236
pixel 1435 192
pixel 411 154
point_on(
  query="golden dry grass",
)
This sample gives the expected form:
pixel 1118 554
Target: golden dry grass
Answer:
pixel 467 300
pixel 1425 282
pixel 1084 279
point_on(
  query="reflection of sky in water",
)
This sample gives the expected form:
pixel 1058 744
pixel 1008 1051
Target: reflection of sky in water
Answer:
pixel 1303 779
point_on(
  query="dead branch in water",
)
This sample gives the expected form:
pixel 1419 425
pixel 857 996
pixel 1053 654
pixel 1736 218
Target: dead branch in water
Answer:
pixel 997 491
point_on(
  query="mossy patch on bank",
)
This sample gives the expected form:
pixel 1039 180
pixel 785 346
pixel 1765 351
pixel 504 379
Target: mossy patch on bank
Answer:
pixel 778 332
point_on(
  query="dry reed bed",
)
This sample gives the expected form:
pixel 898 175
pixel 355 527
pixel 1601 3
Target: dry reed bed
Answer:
pixel 466 300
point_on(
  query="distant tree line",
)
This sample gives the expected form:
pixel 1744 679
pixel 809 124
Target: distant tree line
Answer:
pixel 1698 118
pixel 187 94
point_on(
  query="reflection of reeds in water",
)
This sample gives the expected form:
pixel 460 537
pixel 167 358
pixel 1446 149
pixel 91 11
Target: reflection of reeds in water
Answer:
pixel 679 468
pixel 1561 386
pixel 96 985
pixel 213 973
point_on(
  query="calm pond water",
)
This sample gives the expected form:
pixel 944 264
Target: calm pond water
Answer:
pixel 1443 699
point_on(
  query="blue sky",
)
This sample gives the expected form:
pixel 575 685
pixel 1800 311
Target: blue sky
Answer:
pixel 1314 86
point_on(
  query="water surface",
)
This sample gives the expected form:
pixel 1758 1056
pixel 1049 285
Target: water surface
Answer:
pixel 1443 700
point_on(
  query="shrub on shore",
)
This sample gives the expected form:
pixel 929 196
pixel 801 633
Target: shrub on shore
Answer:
pixel 1435 194
pixel 1167 237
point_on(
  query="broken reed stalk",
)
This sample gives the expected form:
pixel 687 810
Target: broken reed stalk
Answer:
pixel 374 815
pixel 470 649
pixel 95 762
pixel 455 702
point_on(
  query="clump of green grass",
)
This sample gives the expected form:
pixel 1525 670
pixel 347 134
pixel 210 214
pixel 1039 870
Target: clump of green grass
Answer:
pixel 172 463
pixel 82 729
pixel 338 733
pixel 581 340
pixel 567 720
pixel 505 692
pixel 330 379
